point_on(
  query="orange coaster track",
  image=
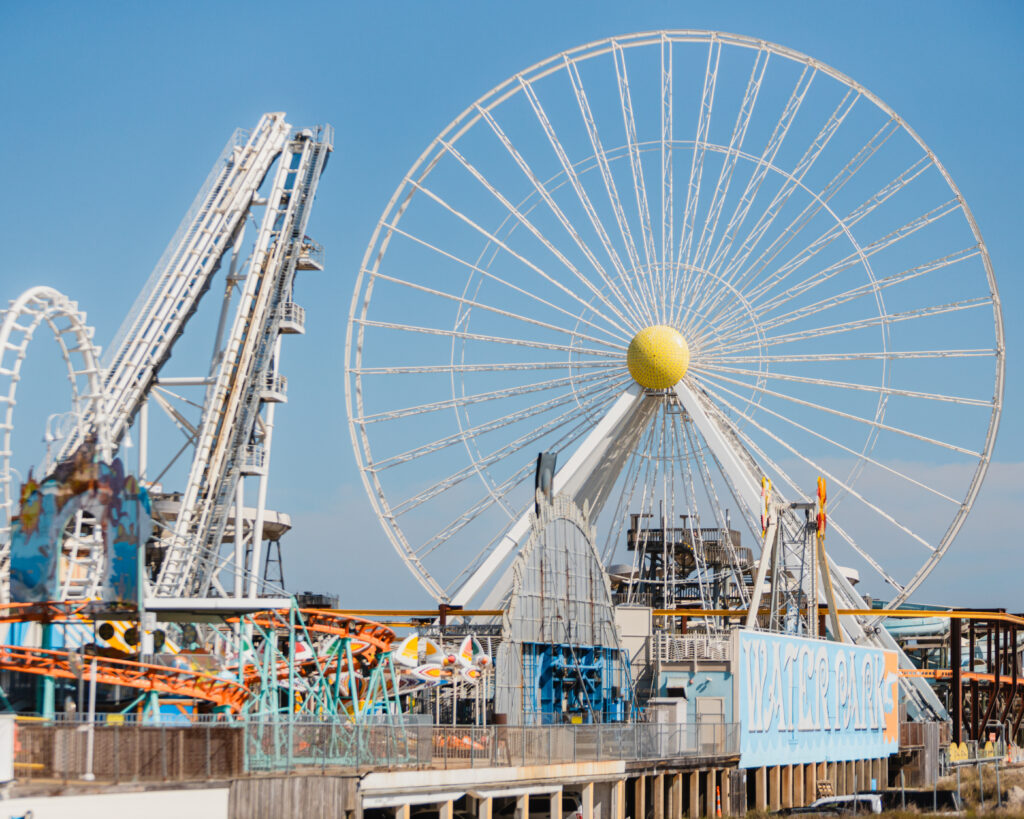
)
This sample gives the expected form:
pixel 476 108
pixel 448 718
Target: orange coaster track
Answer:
pixel 947 674
pixel 143 676
pixel 377 637
pixel 368 639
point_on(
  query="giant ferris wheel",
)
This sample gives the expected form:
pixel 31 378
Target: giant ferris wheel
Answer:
pixel 684 261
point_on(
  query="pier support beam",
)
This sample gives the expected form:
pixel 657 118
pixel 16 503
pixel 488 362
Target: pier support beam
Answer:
pixel 639 797
pixel 710 796
pixel 657 796
pixel 587 799
pixel 786 799
pixel 402 812
pixel 761 789
pixel 726 793
pixel 675 802
pixel 774 789
pixel 798 786
pixel 618 800
pixel 446 810
pixel 694 794
pixel 810 783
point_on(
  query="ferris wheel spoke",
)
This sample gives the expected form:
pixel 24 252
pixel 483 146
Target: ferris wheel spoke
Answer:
pixel 819 468
pixel 842 227
pixel 693 187
pixel 724 247
pixel 725 175
pixel 800 492
pixel 712 492
pixel 864 252
pixel 516 342
pixel 480 429
pixel 629 124
pixel 666 131
pixel 497 495
pixel 816 205
pixel 854 259
pixel 849 450
pixel 883 355
pixel 871 287
pixel 482 368
pixel 515 212
pixel 878 425
pixel 616 333
pixel 518 256
pixel 733 269
pixel 499 311
pixel 847 385
pixel 595 398
pixel 482 397
pixel 632 473
pixel 866 556
pixel 627 304
pixel 849 326
pixel 606 174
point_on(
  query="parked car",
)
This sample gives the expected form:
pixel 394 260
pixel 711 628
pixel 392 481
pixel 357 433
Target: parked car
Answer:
pixel 863 803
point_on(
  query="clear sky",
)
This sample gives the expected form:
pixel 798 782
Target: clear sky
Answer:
pixel 113 113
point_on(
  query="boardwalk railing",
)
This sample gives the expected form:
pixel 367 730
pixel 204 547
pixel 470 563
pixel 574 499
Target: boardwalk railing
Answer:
pixel 276 746
pixel 137 752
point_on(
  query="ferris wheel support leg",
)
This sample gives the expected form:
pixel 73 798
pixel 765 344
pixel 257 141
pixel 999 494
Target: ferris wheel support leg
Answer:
pixel 587 477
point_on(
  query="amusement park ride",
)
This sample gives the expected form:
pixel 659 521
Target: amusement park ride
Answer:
pixel 706 272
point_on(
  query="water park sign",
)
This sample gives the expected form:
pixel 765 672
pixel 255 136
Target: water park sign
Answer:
pixel 804 700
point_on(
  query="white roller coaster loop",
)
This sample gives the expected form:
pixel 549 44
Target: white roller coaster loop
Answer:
pixel 74 338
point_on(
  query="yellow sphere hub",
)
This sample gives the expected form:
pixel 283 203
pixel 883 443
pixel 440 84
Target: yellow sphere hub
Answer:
pixel 658 357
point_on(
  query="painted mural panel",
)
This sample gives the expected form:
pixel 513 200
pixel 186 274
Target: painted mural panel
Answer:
pixel 803 700
pixel 116 504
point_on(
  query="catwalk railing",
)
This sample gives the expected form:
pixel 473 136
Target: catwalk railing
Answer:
pixel 137 752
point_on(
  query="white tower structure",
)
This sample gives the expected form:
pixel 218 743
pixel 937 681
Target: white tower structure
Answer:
pixel 211 532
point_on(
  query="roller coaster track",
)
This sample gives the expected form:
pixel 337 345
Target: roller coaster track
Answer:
pixel 142 676
pixel 359 630
pixel 368 639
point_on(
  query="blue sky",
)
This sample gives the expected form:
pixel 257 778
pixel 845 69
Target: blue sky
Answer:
pixel 114 112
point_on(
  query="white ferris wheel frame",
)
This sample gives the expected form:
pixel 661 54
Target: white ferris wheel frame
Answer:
pixel 622 418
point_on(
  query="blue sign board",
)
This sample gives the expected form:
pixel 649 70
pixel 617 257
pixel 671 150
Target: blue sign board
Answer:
pixel 803 700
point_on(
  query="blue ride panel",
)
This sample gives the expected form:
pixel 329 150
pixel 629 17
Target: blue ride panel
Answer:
pixel 573 683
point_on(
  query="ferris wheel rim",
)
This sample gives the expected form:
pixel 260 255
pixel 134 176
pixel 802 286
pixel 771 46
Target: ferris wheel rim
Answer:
pixel 385 229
